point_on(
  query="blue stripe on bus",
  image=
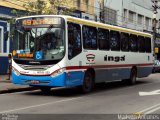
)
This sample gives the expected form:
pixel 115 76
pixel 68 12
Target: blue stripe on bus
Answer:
pixel 62 80
pixel 75 78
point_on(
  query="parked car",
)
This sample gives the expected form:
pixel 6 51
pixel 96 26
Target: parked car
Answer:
pixel 156 67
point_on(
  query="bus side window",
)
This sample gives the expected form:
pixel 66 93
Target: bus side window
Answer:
pixel 74 40
pixel 133 44
pixel 141 44
pixel 125 42
pixel 148 45
pixel 103 39
pixel 89 37
pixel 114 40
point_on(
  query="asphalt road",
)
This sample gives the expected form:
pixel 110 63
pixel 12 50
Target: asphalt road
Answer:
pixel 109 98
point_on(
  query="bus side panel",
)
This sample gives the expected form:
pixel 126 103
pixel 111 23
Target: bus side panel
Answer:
pixel 125 73
pixel 144 71
pixel 112 74
pixel 102 75
pixel 75 78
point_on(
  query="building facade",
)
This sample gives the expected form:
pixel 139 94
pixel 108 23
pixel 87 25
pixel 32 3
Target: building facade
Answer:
pixel 5 27
pixel 83 9
pixel 5 45
pixel 134 14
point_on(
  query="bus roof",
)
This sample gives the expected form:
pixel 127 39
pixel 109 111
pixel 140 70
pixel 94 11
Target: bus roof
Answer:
pixel 95 24
pixel 107 26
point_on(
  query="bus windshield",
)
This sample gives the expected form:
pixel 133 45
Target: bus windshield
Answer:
pixel 38 41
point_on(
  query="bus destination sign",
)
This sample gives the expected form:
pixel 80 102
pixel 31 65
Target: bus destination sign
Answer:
pixel 41 21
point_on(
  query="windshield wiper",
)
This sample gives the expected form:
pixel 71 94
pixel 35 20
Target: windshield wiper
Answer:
pixel 49 28
pixel 20 31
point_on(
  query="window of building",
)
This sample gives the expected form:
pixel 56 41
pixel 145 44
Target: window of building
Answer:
pixel 124 41
pixel 141 44
pixel 133 44
pixel 125 18
pixel 114 40
pixel 74 40
pixel 87 3
pixel 78 3
pixel 140 19
pixel 131 16
pixel 103 39
pixel 148 45
pixel 89 37
pixel 110 16
pixel 147 23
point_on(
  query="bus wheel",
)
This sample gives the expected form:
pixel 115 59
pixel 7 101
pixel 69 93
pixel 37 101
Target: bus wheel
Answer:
pixel 45 89
pixel 88 82
pixel 133 76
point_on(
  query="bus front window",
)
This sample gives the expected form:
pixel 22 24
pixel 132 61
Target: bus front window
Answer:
pixel 50 42
pixel 45 41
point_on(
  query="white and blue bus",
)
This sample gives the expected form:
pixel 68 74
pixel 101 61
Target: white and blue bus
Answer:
pixel 63 51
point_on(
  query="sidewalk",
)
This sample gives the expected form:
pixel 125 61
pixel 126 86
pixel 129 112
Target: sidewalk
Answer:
pixel 6 86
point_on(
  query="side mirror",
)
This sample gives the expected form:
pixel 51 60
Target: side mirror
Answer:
pixel 6 35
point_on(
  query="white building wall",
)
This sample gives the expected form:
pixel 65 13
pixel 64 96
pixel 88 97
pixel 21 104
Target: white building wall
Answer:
pixel 97 9
pixel 138 7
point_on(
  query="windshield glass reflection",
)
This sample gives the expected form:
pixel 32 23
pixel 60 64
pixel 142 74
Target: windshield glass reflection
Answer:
pixel 46 42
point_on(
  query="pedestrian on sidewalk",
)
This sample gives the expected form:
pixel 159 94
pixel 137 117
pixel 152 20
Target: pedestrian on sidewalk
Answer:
pixel 9 66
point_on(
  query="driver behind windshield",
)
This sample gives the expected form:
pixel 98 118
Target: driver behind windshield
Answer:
pixel 48 42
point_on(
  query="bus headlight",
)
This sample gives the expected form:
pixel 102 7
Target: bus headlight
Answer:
pixel 16 71
pixel 58 72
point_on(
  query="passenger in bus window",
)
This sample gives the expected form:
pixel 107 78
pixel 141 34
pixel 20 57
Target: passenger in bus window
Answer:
pixel 49 42
pixel 102 44
pixel 31 43
pixel 70 47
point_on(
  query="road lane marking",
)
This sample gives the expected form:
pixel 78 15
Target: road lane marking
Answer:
pixel 150 110
pixel 34 106
pixel 153 110
pixel 155 92
pixel 49 103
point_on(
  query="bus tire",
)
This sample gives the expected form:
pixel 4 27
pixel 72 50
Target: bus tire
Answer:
pixel 133 76
pixel 88 82
pixel 45 89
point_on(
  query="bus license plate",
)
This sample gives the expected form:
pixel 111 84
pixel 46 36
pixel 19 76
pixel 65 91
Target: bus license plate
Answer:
pixel 35 81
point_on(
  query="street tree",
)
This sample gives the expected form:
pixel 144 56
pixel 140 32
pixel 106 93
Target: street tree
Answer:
pixel 40 7
pixel 63 7
pixel 43 7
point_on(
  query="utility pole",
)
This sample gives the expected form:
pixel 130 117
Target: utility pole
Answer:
pixel 154 20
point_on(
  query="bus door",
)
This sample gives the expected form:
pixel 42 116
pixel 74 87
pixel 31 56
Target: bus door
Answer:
pixel 74 50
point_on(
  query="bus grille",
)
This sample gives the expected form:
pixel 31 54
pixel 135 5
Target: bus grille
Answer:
pixel 35 67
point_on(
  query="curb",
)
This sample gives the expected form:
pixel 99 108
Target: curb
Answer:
pixel 12 90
